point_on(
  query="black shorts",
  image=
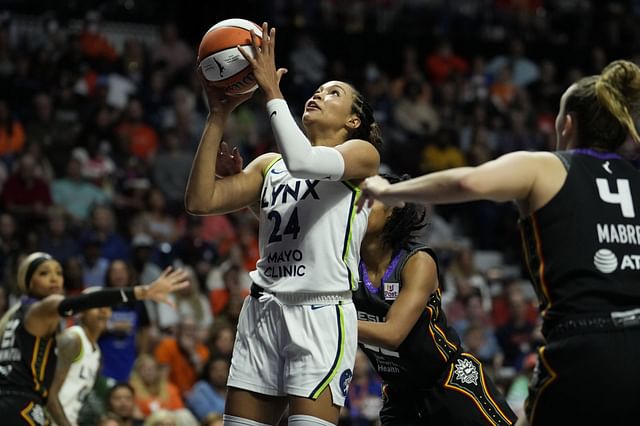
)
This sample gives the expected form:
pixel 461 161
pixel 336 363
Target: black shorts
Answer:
pixel 464 396
pixel 21 410
pixel 588 378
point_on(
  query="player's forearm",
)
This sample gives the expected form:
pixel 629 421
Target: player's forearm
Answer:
pixel 303 160
pixel 449 186
pixel 56 411
pixel 202 178
pixel 378 334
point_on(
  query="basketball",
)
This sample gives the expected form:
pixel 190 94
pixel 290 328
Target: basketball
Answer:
pixel 221 61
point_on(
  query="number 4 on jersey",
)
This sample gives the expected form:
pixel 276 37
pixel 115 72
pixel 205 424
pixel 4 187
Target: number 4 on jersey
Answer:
pixel 622 197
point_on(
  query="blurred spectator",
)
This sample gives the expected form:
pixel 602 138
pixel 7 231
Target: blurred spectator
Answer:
pixel 56 239
pixel 443 63
pixel 155 220
pixel 523 69
pixel 128 329
pixel 140 139
pixel 170 170
pixel 184 355
pixel 152 389
pixel 363 397
pixel 54 136
pixel 189 302
pixel 73 278
pixel 121 403
pixel 233 289
pixel 95 46
pixel 172 51
pixel 192 249
pixel 12 134
pixel 109 420
pixel 476 330
pixel 94 264
pixel 308 65
pixel 413 112
pixel 208 394
pixel 222 339
pixel 75 194
pixel 10 244
pixel 443 154
pixel 103 230
pixel 25 195
pixel 516 335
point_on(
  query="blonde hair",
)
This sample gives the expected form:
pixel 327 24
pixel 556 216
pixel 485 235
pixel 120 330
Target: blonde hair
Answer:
pixel 142 390
pixel 161 415
pixel 618 89
pixel 606 105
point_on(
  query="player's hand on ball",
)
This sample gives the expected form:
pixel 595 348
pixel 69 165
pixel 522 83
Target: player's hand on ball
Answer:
pixel 169 281
pixel 264 63
pixel 220 102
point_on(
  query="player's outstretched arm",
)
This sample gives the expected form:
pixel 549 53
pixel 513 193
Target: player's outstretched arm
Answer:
pixel 43 317
pixel 510 177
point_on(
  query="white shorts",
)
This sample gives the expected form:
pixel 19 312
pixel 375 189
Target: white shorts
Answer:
pixel 295 349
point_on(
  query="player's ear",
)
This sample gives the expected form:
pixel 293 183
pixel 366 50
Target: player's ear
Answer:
pixel 353 122
pixel 568 129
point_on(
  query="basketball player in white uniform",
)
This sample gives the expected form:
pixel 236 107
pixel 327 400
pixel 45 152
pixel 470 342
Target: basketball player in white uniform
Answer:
pixel 296 339
pixel 78 365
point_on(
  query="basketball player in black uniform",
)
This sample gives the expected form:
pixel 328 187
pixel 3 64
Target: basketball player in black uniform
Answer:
pixel 428 378
pixel 581 236
pixel 28 346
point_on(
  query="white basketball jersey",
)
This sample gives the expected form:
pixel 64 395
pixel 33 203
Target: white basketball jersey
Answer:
pixel 310 234
pixel 81 376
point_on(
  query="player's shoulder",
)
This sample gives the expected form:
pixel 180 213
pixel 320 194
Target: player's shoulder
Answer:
pixel 264 162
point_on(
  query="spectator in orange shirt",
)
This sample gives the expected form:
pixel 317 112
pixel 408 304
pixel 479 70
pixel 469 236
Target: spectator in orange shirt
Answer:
pixel 140 139
pixel 184 355
pixel 443 63
pixel 153 390
pixel 93 44
pixel 12 134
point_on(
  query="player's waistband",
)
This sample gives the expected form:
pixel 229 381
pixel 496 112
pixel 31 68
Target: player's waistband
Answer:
pixel 300 298
pixel 600 322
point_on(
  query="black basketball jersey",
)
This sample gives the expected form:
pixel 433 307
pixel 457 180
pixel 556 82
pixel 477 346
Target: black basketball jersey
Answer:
pixel 27 363
pixel 423 356
pixel 583 247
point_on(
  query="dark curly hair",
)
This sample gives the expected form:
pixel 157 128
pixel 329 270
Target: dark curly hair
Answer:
pixel 403 224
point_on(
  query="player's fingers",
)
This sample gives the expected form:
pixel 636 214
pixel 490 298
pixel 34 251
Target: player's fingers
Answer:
pixel 247 56
pixel 272 41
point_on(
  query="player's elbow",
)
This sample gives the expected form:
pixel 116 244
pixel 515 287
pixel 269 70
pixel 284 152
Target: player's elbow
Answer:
pixel 194 206
pixel 299 169
pixel 470 184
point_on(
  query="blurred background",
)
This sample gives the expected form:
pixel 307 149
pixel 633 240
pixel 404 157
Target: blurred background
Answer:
pixel 101 111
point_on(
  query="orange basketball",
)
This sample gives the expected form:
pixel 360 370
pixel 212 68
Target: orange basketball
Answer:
pixel 220 60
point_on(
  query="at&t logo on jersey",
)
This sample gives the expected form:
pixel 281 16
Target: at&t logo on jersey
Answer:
pixel 607 262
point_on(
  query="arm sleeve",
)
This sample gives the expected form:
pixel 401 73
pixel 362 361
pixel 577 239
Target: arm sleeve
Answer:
pixel 303 160
pixel 71 305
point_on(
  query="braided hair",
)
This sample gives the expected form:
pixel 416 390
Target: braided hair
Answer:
pixel 403 224
pixel 369 129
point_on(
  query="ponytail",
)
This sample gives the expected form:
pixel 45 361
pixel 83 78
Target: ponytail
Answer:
pixel 618 89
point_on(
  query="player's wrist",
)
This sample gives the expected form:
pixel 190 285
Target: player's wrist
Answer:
pixel 141 292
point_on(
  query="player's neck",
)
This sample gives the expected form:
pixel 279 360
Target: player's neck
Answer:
pixel 376 256
pixel 92 335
